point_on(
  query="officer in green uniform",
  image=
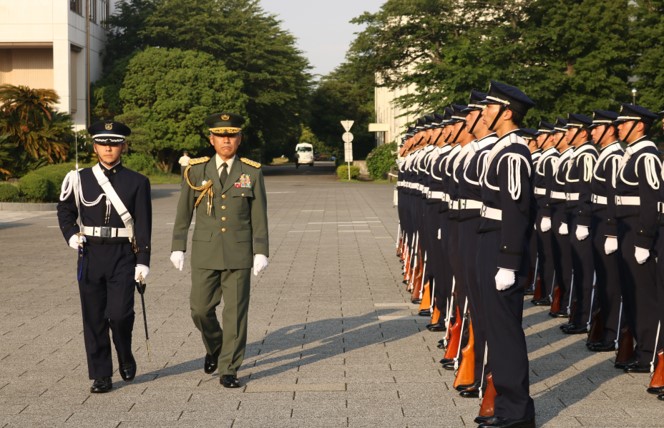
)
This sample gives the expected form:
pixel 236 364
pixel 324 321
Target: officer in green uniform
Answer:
pixel 228 195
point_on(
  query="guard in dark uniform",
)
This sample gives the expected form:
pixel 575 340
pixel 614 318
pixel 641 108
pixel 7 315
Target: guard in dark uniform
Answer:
pixel 637 196
pixel 581 220
pixel 606 258
pixel 502 255
pixel 230 239
pixel 105 213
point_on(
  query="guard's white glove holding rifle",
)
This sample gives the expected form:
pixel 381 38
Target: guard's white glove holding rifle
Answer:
pixel 141 272
pixel 76 241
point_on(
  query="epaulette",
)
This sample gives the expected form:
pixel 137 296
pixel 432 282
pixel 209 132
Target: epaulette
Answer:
pixel 199 160
pixel 250 162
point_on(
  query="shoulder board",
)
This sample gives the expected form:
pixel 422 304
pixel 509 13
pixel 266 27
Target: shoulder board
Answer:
pixel 250 162
pixel 198 160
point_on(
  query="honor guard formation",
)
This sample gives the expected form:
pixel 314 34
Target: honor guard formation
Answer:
pixel 570 213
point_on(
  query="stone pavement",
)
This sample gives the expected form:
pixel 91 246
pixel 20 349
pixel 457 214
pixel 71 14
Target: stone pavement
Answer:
pixel 333 338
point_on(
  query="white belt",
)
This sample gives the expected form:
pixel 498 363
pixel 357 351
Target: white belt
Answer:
pixel 106 232
pixel 597 199
pixel 559 195
pixel 454 205
pixel 660 207
pixel 470 204
pixel 425 190
pixel 539 191
pixel 572 196
pixel 492 213
pixel 628 200
pixel 436 195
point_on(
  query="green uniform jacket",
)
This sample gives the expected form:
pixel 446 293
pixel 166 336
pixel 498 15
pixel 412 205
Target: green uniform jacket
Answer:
pixel 236 227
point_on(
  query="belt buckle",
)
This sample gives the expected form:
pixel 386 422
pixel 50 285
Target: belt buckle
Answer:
pixel 462 204
pixel 105 232
pixel 483 210
pixel 618 200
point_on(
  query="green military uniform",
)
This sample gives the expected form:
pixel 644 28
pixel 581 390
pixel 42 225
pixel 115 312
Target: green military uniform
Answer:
pixel 231 227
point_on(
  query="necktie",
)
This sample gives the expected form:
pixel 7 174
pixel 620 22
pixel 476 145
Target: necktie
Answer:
pixel 224 173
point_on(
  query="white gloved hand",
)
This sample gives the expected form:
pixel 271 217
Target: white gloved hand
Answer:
pixel 260 263
pixel 582 232
pixel 177 258
pixel 563 229
pixel 505 278
pixel 545 224
pixel 439 234
pixel 610 245
pixel 641 255
pixel 76 240
pixel 141 272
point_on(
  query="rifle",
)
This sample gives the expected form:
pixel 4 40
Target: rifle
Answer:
pixel 625 346
pixel 488 400
pixel 463 324
pixel 466 373
pixel 448 315
pixel 657 380
pixel 654 352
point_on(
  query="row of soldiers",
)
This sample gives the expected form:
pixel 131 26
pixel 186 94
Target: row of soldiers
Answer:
pixel 489 210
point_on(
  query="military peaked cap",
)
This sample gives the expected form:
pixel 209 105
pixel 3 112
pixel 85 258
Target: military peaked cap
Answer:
pixel 109 133
pixel 603 117
pixel 509 96
pixel 225 123
pixel 560 124
pixel 475 100
pixel 576 120
pixel 544 127
pixel 634 112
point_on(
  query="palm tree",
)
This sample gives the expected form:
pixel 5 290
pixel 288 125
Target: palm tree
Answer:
pixel 28 119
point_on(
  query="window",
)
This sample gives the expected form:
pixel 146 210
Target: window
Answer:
pixel 76 6
pixel 105 12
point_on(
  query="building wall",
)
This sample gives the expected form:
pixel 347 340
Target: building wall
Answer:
pixel 387 112
pixel 43 44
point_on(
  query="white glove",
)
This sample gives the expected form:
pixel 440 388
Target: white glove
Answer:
pixel 260 263
pixel 545 225
pixel 563 229
pixel 610 245
pixel 582 232
pixel 439 234
pixel 504 279
pixel 641 255
pixel 141 272
pixel 76 240
pixel 177 258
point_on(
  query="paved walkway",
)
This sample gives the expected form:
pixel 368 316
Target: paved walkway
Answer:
pixel 333 339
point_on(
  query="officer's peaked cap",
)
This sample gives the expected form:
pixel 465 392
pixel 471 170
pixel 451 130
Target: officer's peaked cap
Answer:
pixel 108 132
pixel 544 127
pixel 508 96
pixel 528 133
pixel 635 112
pixel 577 120
pixel 560 124
pixel 603 117
pixel 459 112
pixel 475 100
pixel 224 123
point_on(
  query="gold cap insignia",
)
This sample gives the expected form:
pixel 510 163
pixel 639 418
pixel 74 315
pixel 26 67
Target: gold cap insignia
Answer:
pixel 225 117
pixel 108 126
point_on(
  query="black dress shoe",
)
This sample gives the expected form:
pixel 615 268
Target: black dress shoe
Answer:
pixel 229 381
pixel 575 329
pixel 439 326
pixel 623 365
pixel 101 385
pixel 482 419
pixel 416 301
pixel 497 422
pixel 559 314
pixel 446 361
pixel 656 390
pixel 210 364
pixel 472 392
pixel 462 387
pixel 602 347
pixel 529 292
pixel 128 369
pixel 424 313
pixel 449 366
pixel 566 325
pixel 660 397
pixel 541 302
pixel 637 368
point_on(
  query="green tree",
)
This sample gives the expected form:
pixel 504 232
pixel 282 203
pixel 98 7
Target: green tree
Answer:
pixel 648 40
pixel 36 131
pixel 167 93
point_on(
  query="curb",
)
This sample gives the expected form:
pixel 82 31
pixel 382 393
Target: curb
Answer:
pixel 27 206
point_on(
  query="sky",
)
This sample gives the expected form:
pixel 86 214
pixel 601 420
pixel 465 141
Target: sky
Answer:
pixel 321 27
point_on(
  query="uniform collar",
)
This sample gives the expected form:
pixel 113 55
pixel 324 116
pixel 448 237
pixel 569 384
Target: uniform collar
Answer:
pixel 112 170
pixel 220 161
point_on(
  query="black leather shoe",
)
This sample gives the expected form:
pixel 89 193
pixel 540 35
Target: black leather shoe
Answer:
pixel 660 397
pixel 636 368
pixel 416 301
pixel 472 392
pixel 574 329
pixel 541 302
pixel 623 365
pixel 559 314
pixel 656 390
pixel 482 419
pixel 602 347
pixel 462 387
pixel 528 291
pixel 566 325
pixel 446 361
pixel 439 326
pixel 229 381
pixel 128 369
pixel 210 364
pixel 497 422
pixel 101 385
pixel 449 366
pixel 424 313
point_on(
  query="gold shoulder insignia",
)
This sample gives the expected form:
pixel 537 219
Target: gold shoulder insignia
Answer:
pixel 250 162
pixel 198 160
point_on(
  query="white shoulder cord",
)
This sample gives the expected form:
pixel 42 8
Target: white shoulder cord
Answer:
pixel 72 183
pixel 615 160
pixel 514 173
pixel 651 174
pixel 587 168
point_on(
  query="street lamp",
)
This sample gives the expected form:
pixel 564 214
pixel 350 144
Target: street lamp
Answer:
pixel 633 96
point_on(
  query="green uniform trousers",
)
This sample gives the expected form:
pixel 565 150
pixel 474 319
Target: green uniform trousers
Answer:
pixel 207 289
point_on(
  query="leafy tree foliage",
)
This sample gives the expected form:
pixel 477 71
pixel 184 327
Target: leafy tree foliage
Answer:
pixel 167 93
pixel 34 132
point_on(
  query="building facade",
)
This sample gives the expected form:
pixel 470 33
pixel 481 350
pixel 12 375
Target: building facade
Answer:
pixel 48 44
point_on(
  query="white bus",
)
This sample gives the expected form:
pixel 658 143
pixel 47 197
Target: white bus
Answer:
pixel 304 154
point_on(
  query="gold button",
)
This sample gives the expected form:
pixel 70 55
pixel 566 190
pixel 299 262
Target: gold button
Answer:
pixel 243 194
pixel 223 196
pixel 223 229
pixel 223 207
pixel 223 219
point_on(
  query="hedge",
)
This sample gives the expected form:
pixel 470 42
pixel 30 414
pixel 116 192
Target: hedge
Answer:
pixel 342 172
pixel 381 160
pixel 8 192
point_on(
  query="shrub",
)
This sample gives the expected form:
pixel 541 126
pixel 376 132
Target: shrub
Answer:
pixel 139 162
pixel 342 172
pixel 35 187
pixel 53 174
pixel 381 160
pixel 8 192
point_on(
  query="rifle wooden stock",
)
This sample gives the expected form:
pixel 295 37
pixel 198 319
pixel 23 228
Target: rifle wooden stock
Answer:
pixel 625 346
pixel 435 315
pixel 425 304
pixel 415 285
pixel 466 373
pixel 557 296
pixel 538 294
pixel 489 398
pixel 454 337
pixel 657 380
pixel 596 333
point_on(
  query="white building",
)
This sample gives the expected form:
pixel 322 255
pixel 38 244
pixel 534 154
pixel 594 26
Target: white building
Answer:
pixel 392 120
pixel 48 44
